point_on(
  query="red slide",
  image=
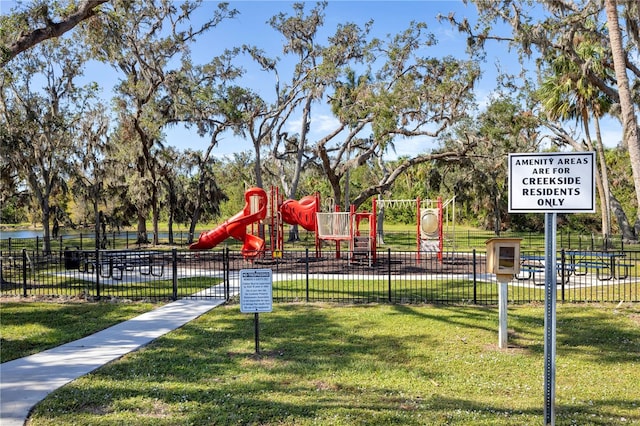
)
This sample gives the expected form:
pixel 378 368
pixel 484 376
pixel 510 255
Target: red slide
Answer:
pixel 236 227
pixel 301 212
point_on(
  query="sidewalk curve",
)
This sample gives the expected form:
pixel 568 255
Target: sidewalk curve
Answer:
pixel 26 381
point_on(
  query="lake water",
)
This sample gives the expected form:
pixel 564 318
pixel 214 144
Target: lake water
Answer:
pixel 33 233
pixel 25 233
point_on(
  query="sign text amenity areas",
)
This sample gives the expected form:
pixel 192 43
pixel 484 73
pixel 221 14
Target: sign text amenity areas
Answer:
pixel 552 182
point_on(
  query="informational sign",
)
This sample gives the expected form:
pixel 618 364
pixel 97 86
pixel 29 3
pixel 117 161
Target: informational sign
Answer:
pixel 256 290
pixel 552 182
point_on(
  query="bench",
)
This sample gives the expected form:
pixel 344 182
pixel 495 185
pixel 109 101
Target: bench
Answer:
pixel 534 264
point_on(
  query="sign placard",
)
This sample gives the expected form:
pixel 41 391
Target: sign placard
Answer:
pixel 256 290
pixel 554 182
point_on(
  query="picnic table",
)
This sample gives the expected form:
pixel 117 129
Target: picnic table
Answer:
pixel 607 264
pixel 532 264
pixel 112 263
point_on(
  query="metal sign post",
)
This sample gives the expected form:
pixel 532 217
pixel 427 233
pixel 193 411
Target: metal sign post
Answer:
pixel 550 282
pixel 551 183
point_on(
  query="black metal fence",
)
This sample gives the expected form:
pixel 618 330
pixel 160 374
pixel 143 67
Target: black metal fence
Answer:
pixel 392 277
pixel 455 240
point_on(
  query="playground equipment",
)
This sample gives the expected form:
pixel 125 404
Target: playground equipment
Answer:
pixel 430 216
pixel 292 212
pixel 260 209
pixel 271 211
pixel 430 238
pixel 345 226
pixel 254 210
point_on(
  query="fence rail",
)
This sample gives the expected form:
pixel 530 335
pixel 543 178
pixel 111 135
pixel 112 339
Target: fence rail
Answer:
pixel 395 276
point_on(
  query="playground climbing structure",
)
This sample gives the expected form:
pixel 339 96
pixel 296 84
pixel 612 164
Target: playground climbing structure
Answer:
pixel 430 217
pixel 348 226
pixel 260 210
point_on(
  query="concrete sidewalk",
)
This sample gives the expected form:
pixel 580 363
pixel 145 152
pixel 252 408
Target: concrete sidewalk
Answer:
pixel 26 381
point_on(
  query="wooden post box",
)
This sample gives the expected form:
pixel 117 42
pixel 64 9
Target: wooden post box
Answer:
pixel 503 257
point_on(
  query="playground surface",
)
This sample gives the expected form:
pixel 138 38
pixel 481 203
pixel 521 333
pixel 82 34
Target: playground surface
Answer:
pixel 26 381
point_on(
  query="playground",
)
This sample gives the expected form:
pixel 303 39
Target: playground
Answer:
pixel 308 340
pixel 346 261
pixel 353 234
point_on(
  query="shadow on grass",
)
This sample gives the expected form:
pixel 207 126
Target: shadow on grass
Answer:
pixel 323 366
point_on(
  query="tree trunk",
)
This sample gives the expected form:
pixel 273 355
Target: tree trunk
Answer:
pixel 170 227
pixel 142 229
pixel 172 208
pixel 602 195
pixel 294 234
pixel 192 226
pixel 257 168
pixel 629 121
pixel 604 174
pixel 627 231
pixel 155 212
pixel 46 231
pixel 155 218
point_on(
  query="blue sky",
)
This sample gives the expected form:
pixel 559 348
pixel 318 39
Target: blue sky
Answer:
pixel 389 17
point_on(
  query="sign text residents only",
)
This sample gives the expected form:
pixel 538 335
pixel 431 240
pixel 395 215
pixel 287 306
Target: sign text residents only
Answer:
pixel 552 182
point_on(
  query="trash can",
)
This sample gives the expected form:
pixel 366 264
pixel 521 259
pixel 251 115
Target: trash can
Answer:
pixel 71 258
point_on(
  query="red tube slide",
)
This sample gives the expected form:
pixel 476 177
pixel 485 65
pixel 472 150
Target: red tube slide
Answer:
pixel 236 226
pixel 301 212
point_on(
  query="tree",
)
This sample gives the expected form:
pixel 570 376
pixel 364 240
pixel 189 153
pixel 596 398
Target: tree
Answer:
pixel 627 109
pixel 21 30
pixel 554 33
pixel 204 97
pixel 480 177
pixel 267 120
pixel 566 94
pixel 91 173
pixel 141 39
pixel 404 98
pixel 40 136
pixel 203 195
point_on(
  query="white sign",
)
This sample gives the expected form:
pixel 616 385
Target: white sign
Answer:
pixel 552 182
pixel 255 290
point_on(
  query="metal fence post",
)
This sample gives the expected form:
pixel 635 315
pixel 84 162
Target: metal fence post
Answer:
pixel 563 271
pixel 475 278
pixel 389 271
pixel 306 269
pixel 174 272
pixel 227 269
pixel 97 271
pixel 24 272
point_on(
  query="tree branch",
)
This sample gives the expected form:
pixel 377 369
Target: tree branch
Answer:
pixel 86 9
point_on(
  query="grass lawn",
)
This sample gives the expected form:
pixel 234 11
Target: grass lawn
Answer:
pixel 27 328
pixel 323 364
